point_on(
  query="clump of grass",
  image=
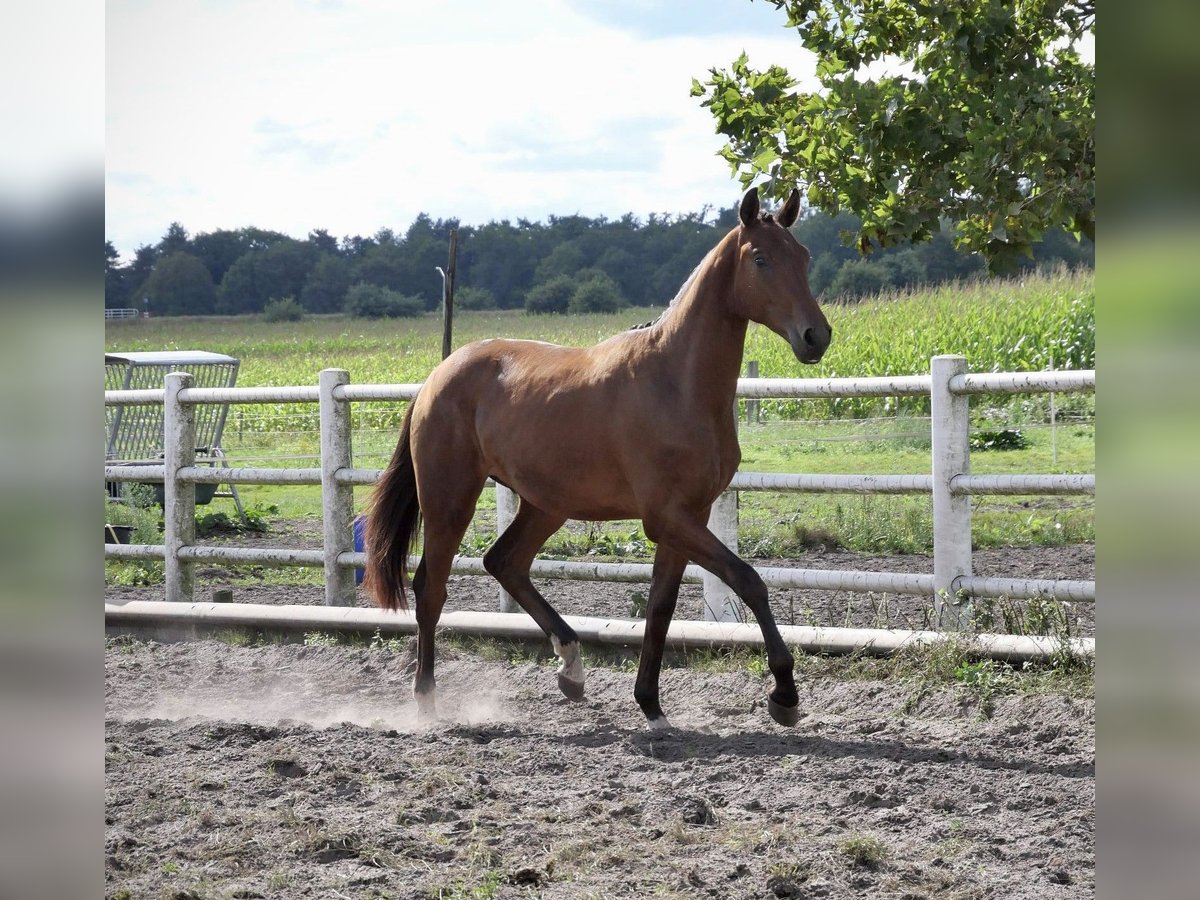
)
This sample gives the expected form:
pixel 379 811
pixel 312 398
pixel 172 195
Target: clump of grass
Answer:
pixel 320 639
pixel 235 637
pixel 863 850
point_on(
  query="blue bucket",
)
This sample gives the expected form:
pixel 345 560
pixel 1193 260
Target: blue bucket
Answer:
pixel 360 526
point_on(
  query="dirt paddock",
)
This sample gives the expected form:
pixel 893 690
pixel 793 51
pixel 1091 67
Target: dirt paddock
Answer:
pixel 300 771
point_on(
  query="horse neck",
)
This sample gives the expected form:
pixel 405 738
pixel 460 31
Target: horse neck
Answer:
pixel 701 339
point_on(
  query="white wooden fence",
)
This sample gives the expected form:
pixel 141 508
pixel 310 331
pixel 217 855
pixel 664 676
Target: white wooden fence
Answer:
pixel 951 584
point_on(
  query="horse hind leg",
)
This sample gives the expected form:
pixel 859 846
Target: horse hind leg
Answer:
pixel 508 561
pixel 445 524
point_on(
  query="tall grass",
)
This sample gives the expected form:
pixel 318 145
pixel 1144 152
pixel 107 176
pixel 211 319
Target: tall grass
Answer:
pixel 1024 324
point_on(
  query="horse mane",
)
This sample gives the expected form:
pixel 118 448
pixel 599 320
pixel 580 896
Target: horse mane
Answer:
pixel 674 300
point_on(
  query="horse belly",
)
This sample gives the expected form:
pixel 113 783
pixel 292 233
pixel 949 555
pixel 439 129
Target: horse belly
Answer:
pixel 561 461
pixel 569 480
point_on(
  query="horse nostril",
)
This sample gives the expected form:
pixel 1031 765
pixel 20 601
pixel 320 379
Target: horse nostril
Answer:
pixel 818 338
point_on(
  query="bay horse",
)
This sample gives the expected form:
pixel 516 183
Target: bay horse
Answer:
pixel 639 426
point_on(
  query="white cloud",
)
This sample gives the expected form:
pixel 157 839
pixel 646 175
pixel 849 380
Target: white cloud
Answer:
pixel 355 116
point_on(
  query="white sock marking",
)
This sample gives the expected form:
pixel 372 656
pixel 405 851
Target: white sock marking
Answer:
pixel 572 663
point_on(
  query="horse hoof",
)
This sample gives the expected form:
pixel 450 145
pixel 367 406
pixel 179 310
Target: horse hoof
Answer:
pixel 784 715
pixel 572 690
pixel 659 724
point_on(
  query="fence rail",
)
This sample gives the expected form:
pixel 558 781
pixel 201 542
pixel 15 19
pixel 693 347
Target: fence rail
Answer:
pixel 952 584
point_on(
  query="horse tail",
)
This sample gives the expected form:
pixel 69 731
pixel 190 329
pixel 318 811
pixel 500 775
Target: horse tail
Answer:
pixel 393 521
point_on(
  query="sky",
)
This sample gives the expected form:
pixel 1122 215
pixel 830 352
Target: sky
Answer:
pixel 358 115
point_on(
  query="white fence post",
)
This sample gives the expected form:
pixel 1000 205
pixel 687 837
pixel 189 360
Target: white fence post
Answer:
pixel 179 498
pixel 951 512
pixel 720 603
pixel 506 511
pixel 752 411
pixel 337 500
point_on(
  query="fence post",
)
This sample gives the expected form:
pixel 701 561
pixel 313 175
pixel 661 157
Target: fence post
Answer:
pixel 951 513
pixel 337 500
pixel 179 498
pixel 720 603
pixel 752 413
pixel 506 511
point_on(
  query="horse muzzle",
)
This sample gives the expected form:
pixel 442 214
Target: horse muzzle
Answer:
pixel 809 344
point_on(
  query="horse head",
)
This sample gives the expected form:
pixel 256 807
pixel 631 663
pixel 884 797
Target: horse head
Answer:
pixel 771 282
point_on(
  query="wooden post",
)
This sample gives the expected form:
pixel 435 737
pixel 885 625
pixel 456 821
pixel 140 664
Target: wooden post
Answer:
pixel 448 294
pixel 951 512
pixel 179 497
pixel 506 511
pixel 721 604
pixel 337 499
pixel 752 405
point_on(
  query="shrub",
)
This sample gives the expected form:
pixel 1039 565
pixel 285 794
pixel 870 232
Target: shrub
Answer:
pixel 283 309
pixel 598 293
pixel 474 298
pixel 371 301
pixel 550 296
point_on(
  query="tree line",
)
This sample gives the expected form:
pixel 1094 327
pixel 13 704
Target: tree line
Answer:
pixel 566 264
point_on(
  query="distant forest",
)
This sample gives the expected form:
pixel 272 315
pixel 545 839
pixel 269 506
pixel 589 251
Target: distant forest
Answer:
pixel 533 265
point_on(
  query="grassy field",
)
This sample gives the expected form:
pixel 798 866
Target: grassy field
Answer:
pixel 999 326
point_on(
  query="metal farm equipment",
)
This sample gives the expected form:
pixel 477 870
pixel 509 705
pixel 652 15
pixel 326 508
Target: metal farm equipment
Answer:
pixel 134 432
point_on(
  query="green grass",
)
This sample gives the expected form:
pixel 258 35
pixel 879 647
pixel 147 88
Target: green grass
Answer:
pixel 863 850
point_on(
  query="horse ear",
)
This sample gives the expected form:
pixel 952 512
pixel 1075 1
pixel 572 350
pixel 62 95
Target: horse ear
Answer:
pixel 787 216
pixel 748 211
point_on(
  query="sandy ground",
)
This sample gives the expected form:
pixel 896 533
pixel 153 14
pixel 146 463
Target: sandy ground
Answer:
pixel 300 771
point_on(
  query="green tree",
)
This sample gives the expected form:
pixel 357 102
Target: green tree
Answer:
pixel 988 120
pixel 145 258
pixel 262 275
pixel 859 278
pixel 180 286
pixel 116 279
pixel 219 250
pixel 565 259
pixel 325 289
pixel 502 257
pixel 174 241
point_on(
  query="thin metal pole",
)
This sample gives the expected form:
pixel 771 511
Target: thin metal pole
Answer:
pixel 448 294
pixel 179 498
pixel 337 499
pixel 951 511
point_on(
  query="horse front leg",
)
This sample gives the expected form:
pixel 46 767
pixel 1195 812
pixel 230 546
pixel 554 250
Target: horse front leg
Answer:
pixel 660 608
pixel 693 540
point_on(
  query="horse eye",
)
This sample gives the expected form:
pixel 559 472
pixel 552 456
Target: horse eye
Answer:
pixel 760 260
